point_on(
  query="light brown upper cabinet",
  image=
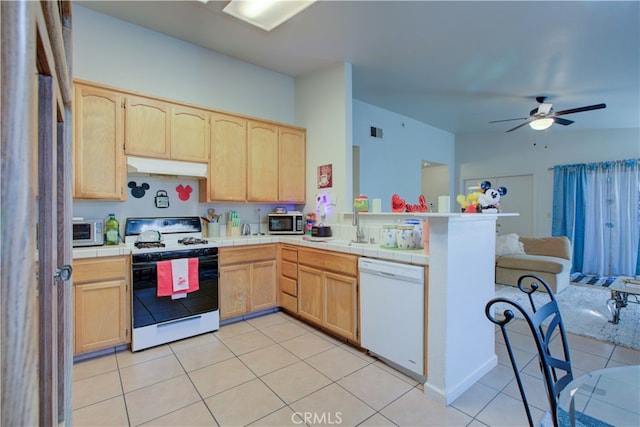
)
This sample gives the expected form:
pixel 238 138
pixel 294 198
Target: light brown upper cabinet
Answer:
pixel 255 161
pixel 189 134
pixel 262 162
pixel 166 131
pixel 148 128
pixel 291 165
pixel 99 168
pixel 227 180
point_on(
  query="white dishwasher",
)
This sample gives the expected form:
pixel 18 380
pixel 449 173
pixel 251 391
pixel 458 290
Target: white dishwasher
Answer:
pixel 392 312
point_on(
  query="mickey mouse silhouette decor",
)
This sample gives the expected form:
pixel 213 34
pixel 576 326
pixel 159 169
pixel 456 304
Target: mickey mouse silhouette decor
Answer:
pixel 184 192
pixel 138 191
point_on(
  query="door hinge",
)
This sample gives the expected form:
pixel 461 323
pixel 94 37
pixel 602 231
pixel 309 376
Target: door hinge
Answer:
pixel 357 332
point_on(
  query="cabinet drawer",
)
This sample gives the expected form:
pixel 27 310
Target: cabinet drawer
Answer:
pixel 331 261
pixel 288 302
pixel 289 254
pixel 289 286
pixel 244 254
pixel 99 269
pixel 289 269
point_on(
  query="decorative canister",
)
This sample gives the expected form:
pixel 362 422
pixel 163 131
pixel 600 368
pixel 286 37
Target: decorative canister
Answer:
pixel 361 203
pixel 404 236
pixel 417 232
pixel 388 237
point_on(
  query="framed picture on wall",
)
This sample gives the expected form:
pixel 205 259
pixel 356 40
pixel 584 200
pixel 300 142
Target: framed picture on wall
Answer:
pixel 324 176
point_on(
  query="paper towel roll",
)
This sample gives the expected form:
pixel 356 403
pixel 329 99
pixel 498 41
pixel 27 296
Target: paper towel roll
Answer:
pixel 444 204
pixel 376 205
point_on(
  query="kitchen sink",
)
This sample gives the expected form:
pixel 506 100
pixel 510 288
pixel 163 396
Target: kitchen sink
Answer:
pixel 347 242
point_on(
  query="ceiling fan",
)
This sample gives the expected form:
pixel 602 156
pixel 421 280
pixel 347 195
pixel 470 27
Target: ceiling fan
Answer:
pixel 543 116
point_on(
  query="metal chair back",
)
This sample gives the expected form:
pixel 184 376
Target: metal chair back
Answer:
pixel 543 321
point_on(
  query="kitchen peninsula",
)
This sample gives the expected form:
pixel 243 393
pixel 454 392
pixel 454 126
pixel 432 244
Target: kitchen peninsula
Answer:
pixel 461 279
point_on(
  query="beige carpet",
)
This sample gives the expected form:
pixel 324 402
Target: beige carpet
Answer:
pixel 585 312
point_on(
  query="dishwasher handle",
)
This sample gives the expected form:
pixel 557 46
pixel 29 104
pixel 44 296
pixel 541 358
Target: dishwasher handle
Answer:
pixel 414 276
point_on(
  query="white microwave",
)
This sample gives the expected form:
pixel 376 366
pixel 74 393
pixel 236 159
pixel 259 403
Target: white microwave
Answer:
pixel 286 223
pixel 88 232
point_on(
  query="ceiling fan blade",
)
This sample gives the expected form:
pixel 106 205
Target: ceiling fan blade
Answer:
pixel 581 109
pixel 519 126
pixel 509 120
pixel 561 121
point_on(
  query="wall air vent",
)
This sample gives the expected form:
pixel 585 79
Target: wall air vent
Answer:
pixel 376 132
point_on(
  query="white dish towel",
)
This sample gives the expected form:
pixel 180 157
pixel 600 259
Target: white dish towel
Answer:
pixel 180 277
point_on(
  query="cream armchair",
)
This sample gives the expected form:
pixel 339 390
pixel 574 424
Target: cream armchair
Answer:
pixel 547 257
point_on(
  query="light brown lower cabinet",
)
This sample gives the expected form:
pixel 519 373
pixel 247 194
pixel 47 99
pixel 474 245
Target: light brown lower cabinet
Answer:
pixel 328 291
pixel 288 278
pixel 247 281
pixel 102 303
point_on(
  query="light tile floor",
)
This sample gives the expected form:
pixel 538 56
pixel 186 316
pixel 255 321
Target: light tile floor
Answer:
pixel 273 370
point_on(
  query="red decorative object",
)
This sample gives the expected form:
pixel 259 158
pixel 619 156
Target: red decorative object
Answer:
pixel 397 204
pixel 420 207
pixel 184 192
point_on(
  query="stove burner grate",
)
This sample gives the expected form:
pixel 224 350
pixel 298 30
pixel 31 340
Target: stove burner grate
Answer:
pixel 192 241
pixel 144 245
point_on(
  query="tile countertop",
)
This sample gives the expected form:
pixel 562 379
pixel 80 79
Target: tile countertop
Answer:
pixel 373 250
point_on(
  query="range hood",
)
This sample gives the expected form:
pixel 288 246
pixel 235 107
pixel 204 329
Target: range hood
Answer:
pixel 141 165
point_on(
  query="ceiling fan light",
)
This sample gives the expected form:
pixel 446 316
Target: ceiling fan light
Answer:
pixel 541 124
pixel 266 14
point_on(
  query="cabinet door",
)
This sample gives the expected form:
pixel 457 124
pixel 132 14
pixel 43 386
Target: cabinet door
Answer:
pixel 234 290
pixel 98 145
pixel 262 162
pixel 341 303
pixel 291 165
pixel 100 315
pixel 228 159
pixel 148 128
pixel 263 285
pixel 310 294
pixel 190 137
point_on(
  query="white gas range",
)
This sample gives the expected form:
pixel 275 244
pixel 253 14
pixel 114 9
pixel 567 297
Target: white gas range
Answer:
pixel 157 244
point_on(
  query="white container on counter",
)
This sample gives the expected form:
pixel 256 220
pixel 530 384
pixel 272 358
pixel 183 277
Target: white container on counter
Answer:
pixel 388 236
pixel 405 236
pixel 417 232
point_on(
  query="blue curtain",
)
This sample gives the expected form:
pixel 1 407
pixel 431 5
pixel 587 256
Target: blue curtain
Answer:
pixel 569 202
pixel 597 205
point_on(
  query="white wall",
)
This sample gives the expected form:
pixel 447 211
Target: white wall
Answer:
pixel 528 152
pixel 393 164
pixel 116 53
pixel 323 106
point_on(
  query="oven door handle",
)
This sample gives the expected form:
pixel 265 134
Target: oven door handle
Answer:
pixel 173 322
pixel 143 265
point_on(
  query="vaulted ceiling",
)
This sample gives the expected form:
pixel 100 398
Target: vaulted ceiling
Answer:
pixel 452 64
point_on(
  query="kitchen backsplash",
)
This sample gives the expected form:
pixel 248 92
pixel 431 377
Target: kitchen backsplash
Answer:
pixel 183 201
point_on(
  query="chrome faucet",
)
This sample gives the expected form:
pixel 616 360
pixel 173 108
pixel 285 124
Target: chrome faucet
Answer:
pixel 356 223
